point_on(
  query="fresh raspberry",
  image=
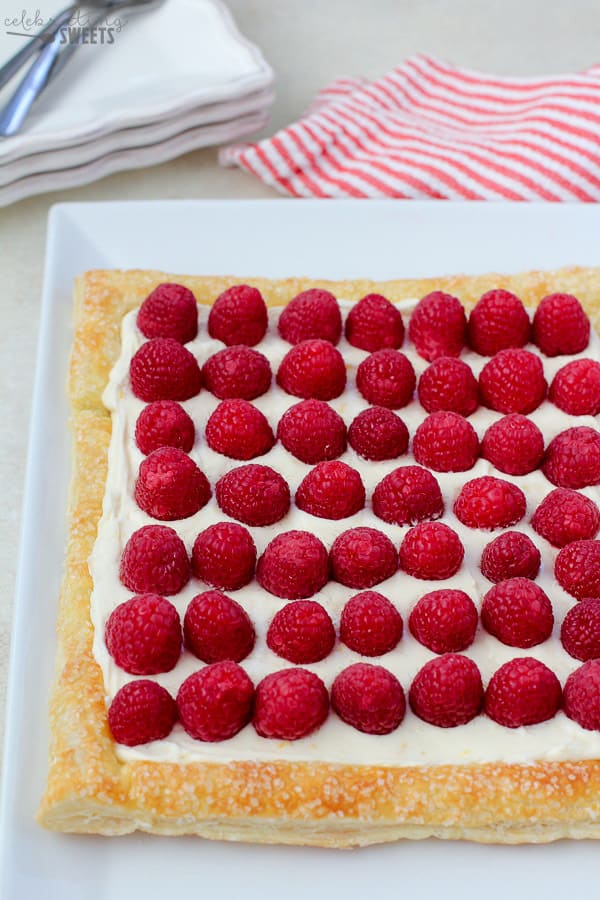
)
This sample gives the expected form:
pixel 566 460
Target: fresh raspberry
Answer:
pixel 253 494
pixel 446 442
pixel 573 458
pixel 513 382
pixel 577 569
pixel 141 711
pixel 576 388
pixel 239 430
pixel 560 325
pixel 290 704
pixel 170 485
pixel 378 433
pixel 332 490
pixel 162 369
pixel 518 613
pixel 511 555
pixel 311 314
pixel 224 556
pixel 215 628
pixel 237 372
pixel 448 384
pixel 169 311
pixel 447 691
pixel 489 502
pixel 498 321
pixel 514 445
pixel 370 624
pixel 386 378
pixel 523 692
pixel 301 632
pixel 313 369
pixel 362 557
pixel 238 316
pixel 581 695
pixel 565 516
pixel 312 431
pixel 294 566
pixel 444 621
pixel 431 551
pixel 216 702
pixel 407 495
pixel 164 423
pixel 369 698
pixel 374 324
pixel 438 326
pixel 143 635
pixel 155 560
pixel 580 630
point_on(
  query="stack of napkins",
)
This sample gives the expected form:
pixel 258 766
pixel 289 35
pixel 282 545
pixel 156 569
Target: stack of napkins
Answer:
pixel 170 80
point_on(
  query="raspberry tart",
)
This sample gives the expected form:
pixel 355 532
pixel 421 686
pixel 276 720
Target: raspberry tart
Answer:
pixel 334 567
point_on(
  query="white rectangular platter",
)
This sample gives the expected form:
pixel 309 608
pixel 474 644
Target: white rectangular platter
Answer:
pixel 329 239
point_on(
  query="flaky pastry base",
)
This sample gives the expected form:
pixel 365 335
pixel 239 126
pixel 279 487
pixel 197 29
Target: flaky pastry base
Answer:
pixel 91 790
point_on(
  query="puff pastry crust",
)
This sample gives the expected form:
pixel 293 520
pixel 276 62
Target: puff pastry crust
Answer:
pixel 91 790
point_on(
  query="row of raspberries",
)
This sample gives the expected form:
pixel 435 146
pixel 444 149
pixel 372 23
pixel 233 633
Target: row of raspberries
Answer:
pixel 144 634
pixel 313 432
pixel 511 382
pixel 438 325
pixel 296 565
pixel 170 486
pixel 215 703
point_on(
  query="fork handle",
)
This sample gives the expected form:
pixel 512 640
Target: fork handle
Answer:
pixel 10 68
pixel 35 79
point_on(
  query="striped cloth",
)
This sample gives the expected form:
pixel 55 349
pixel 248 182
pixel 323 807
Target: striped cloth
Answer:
pixel 428 129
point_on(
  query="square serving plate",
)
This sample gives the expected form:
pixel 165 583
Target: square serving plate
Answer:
pixel 329 239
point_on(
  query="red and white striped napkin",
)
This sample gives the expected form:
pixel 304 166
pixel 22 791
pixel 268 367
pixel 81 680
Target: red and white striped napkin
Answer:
pixel 428 129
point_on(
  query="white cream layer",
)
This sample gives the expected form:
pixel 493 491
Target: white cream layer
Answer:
pixel 414 742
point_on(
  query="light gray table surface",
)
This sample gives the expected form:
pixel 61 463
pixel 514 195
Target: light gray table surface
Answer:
pixel 308 43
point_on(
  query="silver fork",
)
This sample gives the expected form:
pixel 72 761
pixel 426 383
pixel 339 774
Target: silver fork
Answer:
pixel 45 36
pixel 51 60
